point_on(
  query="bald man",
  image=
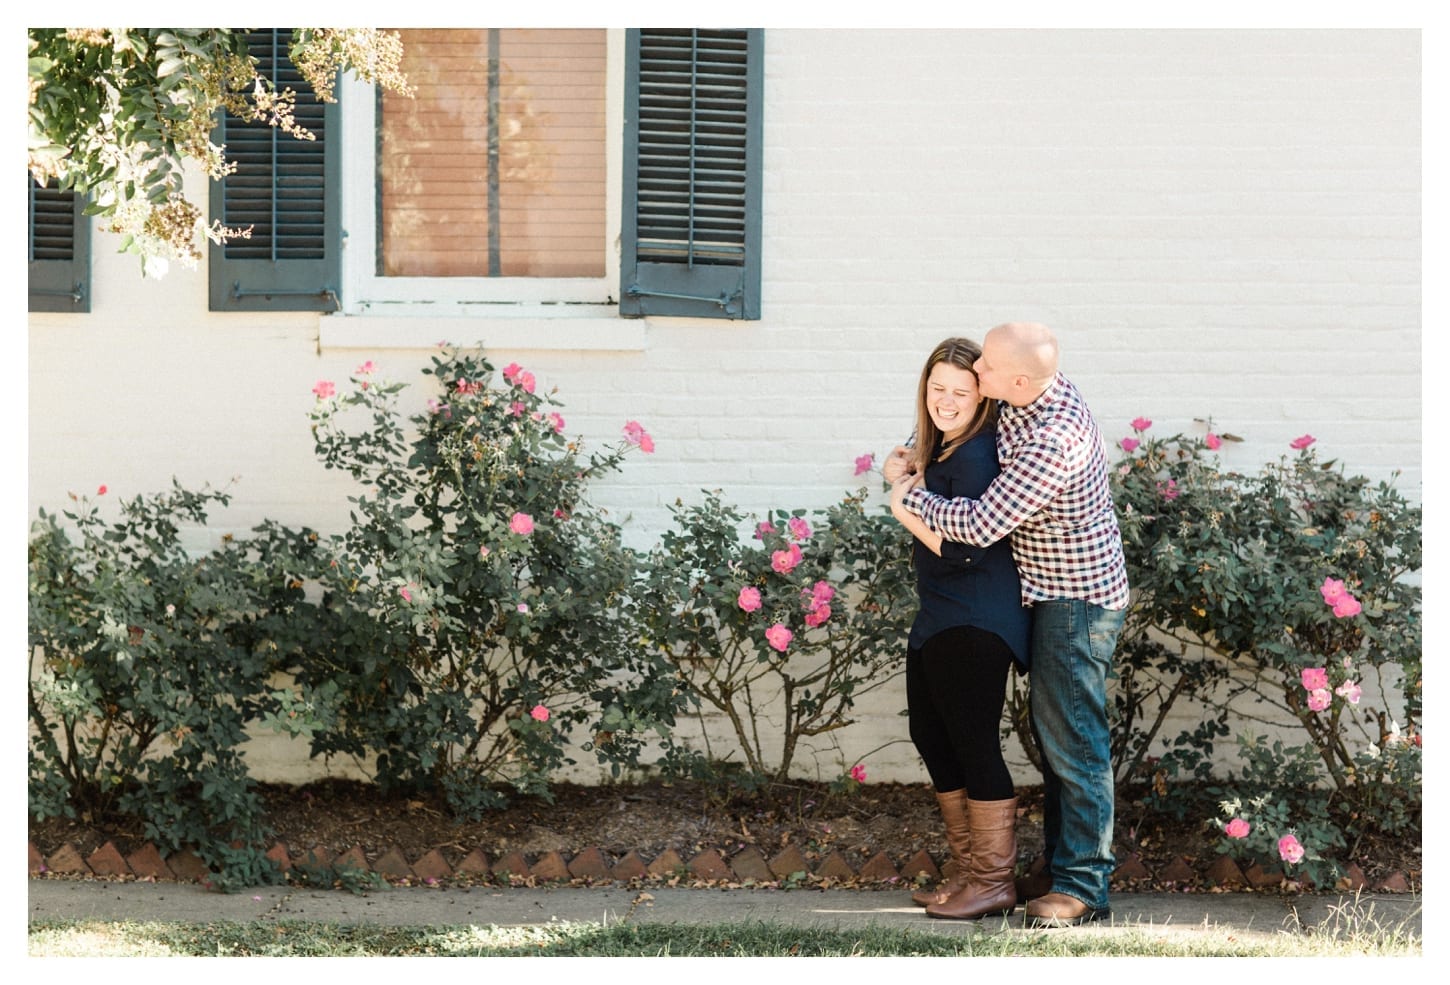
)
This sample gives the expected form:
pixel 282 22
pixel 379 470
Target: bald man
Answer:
pixel 1052 499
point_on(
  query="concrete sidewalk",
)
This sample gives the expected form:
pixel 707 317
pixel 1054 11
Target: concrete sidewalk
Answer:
pixel 1169 914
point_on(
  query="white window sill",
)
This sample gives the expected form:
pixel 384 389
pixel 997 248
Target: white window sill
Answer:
pixel 494 331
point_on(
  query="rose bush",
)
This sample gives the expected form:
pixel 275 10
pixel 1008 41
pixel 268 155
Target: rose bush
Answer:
pixel 479 620
pixel 780 631
pixel 475 587
pixel 1288 588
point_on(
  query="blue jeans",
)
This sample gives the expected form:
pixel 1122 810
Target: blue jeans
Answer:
pixel 1072 652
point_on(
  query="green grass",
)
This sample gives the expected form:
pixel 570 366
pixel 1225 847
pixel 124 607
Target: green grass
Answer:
pixel 1352 933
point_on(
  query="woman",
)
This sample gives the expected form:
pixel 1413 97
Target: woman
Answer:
pixel 970 628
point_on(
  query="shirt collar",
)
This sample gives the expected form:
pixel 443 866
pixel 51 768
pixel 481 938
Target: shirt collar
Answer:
pixel 1056 390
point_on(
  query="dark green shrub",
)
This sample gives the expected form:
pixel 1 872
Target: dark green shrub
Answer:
pixel 146 669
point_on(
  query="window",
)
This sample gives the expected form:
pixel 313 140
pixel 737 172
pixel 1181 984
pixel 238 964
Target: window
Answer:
pixel 59 250
pixel 495 189
pixel 534 175
pixel 495 167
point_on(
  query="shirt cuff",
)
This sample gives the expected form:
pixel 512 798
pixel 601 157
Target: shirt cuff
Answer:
pixel 916 500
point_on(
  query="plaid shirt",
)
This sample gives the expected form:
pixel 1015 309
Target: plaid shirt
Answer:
pixel 1052 498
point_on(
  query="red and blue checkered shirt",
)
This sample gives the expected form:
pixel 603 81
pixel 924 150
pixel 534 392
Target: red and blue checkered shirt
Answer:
pixel 1052 498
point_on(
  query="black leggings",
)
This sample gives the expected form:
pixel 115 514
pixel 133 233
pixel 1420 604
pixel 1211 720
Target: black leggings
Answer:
pixel 956 685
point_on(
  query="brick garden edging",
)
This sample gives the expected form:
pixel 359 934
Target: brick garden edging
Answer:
pixel 591 867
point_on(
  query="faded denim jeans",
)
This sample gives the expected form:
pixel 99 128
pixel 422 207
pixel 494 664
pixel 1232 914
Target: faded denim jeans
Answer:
pixel 1072 653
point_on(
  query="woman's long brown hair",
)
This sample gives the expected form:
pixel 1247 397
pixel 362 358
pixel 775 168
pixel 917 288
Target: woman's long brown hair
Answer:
pixel 961 353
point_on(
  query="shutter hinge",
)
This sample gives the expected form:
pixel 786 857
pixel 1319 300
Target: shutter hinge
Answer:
pixel 76 294
pixel 726 302
pixel 237 294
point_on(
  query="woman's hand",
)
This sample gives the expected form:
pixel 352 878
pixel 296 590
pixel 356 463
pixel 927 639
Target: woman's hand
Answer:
pixel 904 483
pixel 897 464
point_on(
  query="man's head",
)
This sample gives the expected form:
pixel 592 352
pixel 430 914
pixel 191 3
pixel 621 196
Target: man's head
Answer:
pixel 1018 361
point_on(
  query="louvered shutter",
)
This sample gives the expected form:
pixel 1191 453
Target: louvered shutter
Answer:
pixel 691 227
pixel 60 250
pixel 286 191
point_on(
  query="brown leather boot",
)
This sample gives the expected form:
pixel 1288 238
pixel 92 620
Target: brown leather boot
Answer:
pixel 959 843
pixel 989 890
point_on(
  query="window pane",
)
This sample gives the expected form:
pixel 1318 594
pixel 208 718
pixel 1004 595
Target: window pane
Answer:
pixel 534 206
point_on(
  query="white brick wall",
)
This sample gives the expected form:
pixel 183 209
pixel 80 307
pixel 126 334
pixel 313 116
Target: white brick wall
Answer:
pixel 1220 224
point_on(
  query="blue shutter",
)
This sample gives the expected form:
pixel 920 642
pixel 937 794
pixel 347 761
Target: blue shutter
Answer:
pixel 286 191
pixel 60 250
pixel 691 226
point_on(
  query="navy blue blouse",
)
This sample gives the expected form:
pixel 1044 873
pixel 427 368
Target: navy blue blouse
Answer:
pixel 966 585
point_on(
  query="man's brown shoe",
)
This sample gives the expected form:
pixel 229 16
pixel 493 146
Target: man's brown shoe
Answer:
pixel 1061 910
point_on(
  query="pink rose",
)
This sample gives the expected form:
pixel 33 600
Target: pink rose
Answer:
pixel 1350 691
pixel 324 389
pixel 1302 442
pixel 635 434
pixel 799 528
pixel 1129 444
pixel 1313 678
pixel 511 372
pixel 101 490
pixel 365 369
pixel 1319 699
pixel 785 561
pixel 557 421
pixel 1347 606
pixel 407 595
pixel 1141 424
pixel 818 615
pixel 779 637
pixel 858 773
pixel 762 528
pixel 523 607
pixel 521 523
pixel 864 463
pixel 749 599
pixel 1237 828
pixel 1332 590
pixel 1169 489
pixel 1290 850
pixel 525 381
pixel 821 593
pixel 1213 441
pixel 539 713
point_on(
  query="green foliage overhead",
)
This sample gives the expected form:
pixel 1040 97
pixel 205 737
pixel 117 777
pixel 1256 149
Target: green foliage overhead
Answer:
pixel 115 114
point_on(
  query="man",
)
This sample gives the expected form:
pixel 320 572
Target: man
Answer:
pixel 1052 499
